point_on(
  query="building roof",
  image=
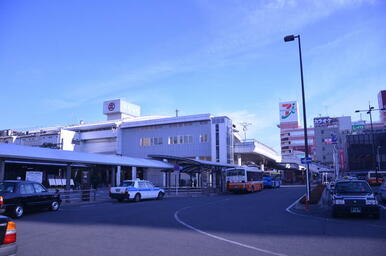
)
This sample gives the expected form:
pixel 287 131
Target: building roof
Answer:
pixel 196 162
pixel 11 151
pixel 167 120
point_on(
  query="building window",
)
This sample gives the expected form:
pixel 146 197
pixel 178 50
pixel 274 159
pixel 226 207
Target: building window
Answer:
pixel 180 139
pixel 145 142
pixel 203 138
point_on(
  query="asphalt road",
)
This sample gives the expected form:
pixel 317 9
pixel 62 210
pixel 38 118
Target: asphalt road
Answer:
pixel 246 224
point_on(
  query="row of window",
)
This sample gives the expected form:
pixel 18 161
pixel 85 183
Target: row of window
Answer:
pixel 144 142
pixel 178 139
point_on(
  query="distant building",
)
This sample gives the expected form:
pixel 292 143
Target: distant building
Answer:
pixel 292 133
pixel 330 140
pixel 382 104
pixel 362 156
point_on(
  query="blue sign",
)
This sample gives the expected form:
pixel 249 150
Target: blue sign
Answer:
pixel 306 160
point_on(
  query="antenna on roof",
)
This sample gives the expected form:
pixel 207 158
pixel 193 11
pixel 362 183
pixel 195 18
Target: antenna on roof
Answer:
pixel 245 128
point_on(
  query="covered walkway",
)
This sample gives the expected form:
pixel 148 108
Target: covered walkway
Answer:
pixel 11 154
pixel 194 173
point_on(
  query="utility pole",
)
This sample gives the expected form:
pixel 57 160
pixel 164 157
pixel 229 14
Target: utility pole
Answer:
pixel 245 128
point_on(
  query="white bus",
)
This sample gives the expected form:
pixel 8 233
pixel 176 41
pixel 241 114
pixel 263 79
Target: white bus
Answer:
pixel 244 179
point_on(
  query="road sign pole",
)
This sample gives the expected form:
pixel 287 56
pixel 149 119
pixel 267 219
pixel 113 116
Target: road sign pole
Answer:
pixel 308 183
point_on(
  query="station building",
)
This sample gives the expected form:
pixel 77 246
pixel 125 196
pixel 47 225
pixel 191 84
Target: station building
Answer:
pixel 204 143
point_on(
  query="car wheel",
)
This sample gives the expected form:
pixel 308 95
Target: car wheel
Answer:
pixel 54 206
pixel 160 196
pixel 137 197
pixel 18 211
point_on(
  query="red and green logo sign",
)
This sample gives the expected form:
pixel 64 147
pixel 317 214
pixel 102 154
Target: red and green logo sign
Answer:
pixel 288 109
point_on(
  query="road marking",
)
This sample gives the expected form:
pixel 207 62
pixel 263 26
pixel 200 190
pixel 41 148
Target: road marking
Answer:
pixel 177 218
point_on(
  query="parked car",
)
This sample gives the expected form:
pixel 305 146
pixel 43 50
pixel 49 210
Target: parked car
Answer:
pixel 136 190
pixel 382 191
pixel 354 197
pixel 8 245
pixel 17 196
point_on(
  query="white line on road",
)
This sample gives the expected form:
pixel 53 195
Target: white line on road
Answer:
pixel 219 237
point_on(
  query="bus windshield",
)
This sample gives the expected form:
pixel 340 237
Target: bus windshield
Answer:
pixel 236 172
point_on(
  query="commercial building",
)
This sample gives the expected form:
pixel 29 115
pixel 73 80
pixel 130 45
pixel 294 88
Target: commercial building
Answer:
pixel 382 104
pixel 362 156
pixel 292 133
pixel 330 141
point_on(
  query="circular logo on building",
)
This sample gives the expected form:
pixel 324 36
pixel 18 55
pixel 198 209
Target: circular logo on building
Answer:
pixel 111 106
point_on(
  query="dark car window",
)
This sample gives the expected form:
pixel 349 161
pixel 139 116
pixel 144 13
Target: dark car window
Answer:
pixel 26 189
pixel 7 187
pixel 39 188
pixel 128 184
pixel 352 187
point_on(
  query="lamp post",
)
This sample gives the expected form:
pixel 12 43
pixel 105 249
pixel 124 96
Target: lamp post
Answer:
pixel 369 111
pixel 288 39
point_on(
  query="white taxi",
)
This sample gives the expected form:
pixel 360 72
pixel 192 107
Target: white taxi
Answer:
pixel 136 190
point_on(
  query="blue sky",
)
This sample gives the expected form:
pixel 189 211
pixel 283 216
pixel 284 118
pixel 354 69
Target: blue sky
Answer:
pixel 59 60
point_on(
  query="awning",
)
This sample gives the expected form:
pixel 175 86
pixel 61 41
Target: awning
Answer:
pixel 192 165
pixel 17 152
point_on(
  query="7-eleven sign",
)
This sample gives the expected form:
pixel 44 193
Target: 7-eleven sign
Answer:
pixel 288 111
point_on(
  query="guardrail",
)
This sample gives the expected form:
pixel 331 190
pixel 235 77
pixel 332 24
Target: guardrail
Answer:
pixel 84 195
pixel 189 191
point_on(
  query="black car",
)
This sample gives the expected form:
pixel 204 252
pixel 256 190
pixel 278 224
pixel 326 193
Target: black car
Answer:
pixel 354 197
pixel 8 245
pixel 18 196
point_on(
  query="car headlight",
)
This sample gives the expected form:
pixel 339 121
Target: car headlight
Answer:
pixel 338 201
pixel 371 202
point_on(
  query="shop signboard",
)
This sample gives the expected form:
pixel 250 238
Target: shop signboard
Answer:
pixel 34 176
pixel 325 122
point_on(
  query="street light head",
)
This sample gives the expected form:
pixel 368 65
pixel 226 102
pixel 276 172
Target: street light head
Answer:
pixel 289 38
pixel 357 111
pixel 371 108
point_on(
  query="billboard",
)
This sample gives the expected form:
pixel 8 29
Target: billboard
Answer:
pixel 326 122
pixel 121 106
pixel 289 112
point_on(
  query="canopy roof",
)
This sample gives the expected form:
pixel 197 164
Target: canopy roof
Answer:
pixel 192 165
pixel 17 152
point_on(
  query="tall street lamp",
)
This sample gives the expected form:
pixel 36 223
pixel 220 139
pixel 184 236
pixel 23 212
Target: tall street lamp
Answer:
pixel 288 39
pixel 369 111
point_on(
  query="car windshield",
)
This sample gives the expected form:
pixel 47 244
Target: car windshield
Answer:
pixel 128 184
pixel 7 187
pixel 352 187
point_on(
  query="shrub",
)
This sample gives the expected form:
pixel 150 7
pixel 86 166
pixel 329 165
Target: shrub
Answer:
pixel 315 195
